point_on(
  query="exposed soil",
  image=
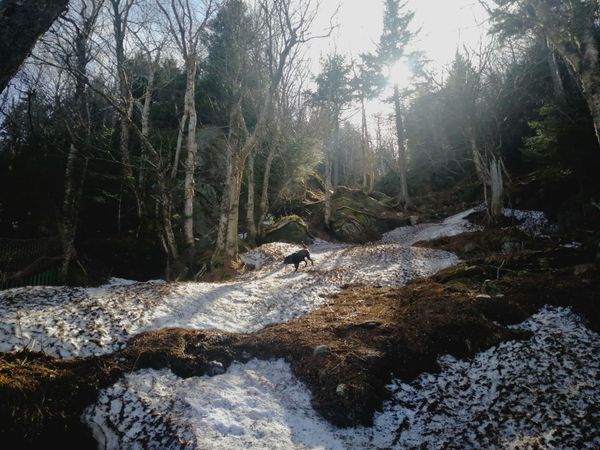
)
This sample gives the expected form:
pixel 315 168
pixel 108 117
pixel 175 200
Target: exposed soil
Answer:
pixel 346 351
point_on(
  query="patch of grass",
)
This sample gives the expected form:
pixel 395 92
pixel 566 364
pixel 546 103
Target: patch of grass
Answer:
pixel 368 334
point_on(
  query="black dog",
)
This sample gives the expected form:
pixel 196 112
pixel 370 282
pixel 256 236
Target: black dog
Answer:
pixel 298 257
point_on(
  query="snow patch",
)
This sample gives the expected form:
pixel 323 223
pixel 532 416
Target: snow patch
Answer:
pixel 73 322
pixel 451 226
pixel 543 393
pixel 535 223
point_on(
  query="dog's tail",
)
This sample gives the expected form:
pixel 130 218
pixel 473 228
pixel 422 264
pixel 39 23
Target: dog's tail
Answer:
pixel 304 245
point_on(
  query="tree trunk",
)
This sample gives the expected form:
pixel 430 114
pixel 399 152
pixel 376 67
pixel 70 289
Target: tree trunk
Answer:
pixel 264 197
pixel 250 223
pixel 496 206
pixel 179 142
pixel 22 22
pixel 365 147
pixel 146 124
pixel 231 240
pixel 120 19
pixel 476 154
pixel 69 213
pixel 165 198
pixel 76 164
pixel 403 197
pixel 327 213
pixel 219 252
pixel 240 146
pixel 125 138
pixel 581 53
pixel 557 83
pixel 190 164
pixel 166 213
pixel 335 152
pixel 591 87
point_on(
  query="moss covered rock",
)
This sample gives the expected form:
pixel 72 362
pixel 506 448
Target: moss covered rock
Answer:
pixel 357 217
pixel 289 229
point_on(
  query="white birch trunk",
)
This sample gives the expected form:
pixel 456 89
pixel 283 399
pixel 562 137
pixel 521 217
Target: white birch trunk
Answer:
pixel 146 125
pixel 190 164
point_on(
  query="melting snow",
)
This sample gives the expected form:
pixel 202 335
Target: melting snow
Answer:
pixel 534 223
pixel 539 393
pixel 73 322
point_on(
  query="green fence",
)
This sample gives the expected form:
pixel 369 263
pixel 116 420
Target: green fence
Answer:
pixel 48 278
pixel 18 254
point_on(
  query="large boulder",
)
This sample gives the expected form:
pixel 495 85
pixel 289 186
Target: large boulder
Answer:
pixel 290 229
pixel 357 217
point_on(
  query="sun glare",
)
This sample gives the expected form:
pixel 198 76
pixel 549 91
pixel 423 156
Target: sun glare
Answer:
pixel 400 74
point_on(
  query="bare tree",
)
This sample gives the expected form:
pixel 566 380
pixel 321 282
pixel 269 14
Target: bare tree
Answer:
pixel 71 48
pixel 273 142
pixel 288 24
pixel 120 12
pixel 186 22
pixel 286 112
pixel 403 197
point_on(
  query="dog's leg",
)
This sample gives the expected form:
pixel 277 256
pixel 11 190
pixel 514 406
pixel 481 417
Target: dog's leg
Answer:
pixel 305 263
pixel 297 265
pixel 311 261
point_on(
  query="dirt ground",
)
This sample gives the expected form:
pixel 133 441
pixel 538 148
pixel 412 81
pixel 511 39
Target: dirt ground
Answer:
pixel 346 351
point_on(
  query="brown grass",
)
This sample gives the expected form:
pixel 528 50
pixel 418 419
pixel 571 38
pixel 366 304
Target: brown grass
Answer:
pixel 371 335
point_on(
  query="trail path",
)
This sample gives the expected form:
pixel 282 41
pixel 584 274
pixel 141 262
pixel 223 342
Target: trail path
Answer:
pixel 541 393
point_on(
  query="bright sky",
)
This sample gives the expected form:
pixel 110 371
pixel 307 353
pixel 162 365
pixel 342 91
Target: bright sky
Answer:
pixel 445 25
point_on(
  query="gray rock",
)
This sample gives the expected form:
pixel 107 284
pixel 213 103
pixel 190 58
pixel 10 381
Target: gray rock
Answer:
pixel 341 389
pixel 320 350
pixel 215 368
pixel 369 324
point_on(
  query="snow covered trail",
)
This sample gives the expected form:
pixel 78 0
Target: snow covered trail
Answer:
pixel 74 322
pixel 541 393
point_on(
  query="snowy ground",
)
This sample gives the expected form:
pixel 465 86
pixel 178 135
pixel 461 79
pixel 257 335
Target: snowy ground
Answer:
pixel 528 394
pixel 74 322
pixel 531 394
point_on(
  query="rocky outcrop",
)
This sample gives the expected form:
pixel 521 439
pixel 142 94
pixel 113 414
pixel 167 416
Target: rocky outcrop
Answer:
pixel 358 217
pixel 290 229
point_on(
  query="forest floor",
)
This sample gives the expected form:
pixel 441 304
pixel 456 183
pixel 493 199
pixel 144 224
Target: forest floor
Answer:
pixel 396 344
